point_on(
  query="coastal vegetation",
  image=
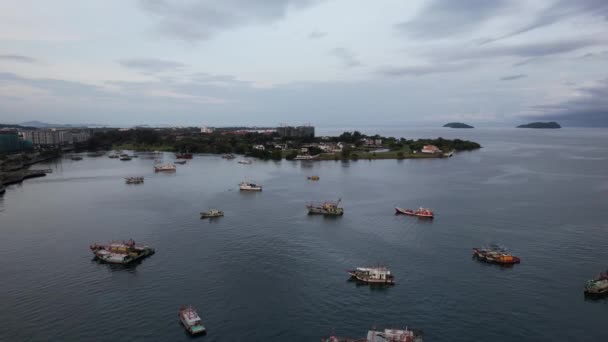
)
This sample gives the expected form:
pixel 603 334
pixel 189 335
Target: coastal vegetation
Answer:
pixel 457 125
pixel 551 124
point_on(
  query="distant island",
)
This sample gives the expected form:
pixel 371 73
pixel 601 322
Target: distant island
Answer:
pixel 457 125
pixel 551 124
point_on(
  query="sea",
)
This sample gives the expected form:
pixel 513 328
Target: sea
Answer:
pixel 267 271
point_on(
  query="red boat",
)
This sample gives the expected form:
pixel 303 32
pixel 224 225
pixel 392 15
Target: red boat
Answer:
pixel 420 212
pixel 183 155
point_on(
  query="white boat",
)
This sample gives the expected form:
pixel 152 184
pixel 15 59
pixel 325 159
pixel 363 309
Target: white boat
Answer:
pixel 250 186
pixel 306 157
pixel 191 320
pixel 373 275
pixel 212 213
pixel 245 161
pixel 165 168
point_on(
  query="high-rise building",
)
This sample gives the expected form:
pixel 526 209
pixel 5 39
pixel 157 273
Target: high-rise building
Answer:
pixel 296 132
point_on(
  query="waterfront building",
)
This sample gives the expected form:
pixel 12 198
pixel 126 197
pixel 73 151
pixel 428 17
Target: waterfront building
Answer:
pixel 430 149
pixel 52 137
pixel 296 132
pixel 10 142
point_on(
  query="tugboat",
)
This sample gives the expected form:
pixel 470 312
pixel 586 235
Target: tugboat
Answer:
pixel 247 186
pixel 164 168
pixel 597 286
pixel 373 275
pixel 326 208
pixel 495 254
pixel 313 178
pixel 388 335
pixel 420 212
pixel 120 252
pixel 183 155
pixel 134 180
pixel 191 320
pixel 212 213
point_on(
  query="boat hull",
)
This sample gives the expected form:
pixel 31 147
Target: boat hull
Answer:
pixel 357 277
pixel 320 211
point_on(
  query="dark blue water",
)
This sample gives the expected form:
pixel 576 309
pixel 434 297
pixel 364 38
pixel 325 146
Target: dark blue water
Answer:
pixel 268 272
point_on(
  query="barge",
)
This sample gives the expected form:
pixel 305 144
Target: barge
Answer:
pixel 373 275
pixel 495 254
pixel 121 252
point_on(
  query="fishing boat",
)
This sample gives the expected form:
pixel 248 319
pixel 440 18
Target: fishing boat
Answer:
pixel 249 186
pixel 420 212
pixel 313 178
pixel 164 168
pixel 325 208
pixel 120 252
pixel 191 320
pixel 183 155
pixel 386 335
pixel 495 254
pixel 134 180
pixel 373 275
pixel 245 161
pixel 212 213
pixel 597 286
pixel 180 162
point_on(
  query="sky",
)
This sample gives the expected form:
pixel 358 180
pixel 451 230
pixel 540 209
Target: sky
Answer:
pixel 328 63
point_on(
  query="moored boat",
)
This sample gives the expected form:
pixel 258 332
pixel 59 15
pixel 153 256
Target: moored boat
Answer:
pixel 2 189
pixel 165 168
pixel 125 157
pixel 191 320
pixel 306 157
pixel 373 275
pixel 134 180
pixel 326 208
pixel 76 157
pixel 120 252
pixel 113 156
pixel 313 178
pixel 597 286
pixel 228 156
pixel 183 155
pixel 420 212
pixel 245 161
pixel 212 213
pixel 181 162
pixel 250 186
pixel 495 254
pixel 386 335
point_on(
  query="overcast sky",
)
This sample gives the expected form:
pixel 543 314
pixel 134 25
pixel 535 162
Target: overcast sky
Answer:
pixel 329 63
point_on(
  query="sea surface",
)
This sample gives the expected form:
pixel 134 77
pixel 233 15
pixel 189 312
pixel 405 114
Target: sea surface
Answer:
pixel 269 272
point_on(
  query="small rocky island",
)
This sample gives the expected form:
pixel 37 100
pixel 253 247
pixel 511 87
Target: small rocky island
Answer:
pixel 457 125
pixel 551 124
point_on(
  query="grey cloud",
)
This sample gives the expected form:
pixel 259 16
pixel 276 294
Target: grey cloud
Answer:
pixel 589 107
pixel 151 65
pixel 445 18
pixel 53 86
pixel 513 77
pixel 317 34
pixel 200 20
pixel 348 58
pixel 17 58
pixel 421 70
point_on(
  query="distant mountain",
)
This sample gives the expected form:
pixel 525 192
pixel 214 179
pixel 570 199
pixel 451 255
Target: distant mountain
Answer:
pixel 16 126
pixel 551 124
pixel 457 125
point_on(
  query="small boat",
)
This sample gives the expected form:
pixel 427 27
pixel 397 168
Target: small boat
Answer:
pixel 228 156
pixel 134 180
pixel 495 254
pixel 306 157
pixel 164 168
pixel 125 157
pixel 250 186
pixel 183 155
pixel 212 213
pixel 76 158
pixel 313 178
pixel 387 335
pixel 420 212
pixel 180 162
pixel 245 161
pixel 597 286
pixel 191 320
pixel 113 156
pixel 120 252
pixel 326 208
pixel 373 275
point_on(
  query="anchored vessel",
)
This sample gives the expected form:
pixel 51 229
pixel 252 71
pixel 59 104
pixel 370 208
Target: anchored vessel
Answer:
pixel 134 180
pixel 326 208
pixel 313 178
pixel 228 156
pixel 420 212
pixel 249 186
pixel 113 156
pixel 121 252
pixel 164 168
pixel 181 162
pixel 306 157
pixel 373 275
pixel 245 161
pixel 387 335
pixel 597 286
pixel 76 158
pixel 125 157
pixel 183 155
pixel 212 213
pixel 495 254
pixel 191 320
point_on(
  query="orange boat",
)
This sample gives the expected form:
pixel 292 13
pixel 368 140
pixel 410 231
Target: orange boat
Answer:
pixel 495 254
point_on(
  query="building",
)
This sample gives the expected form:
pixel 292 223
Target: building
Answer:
pixel 259 147
pixel 11 142
pixel 206 130
pixel 296 132
pixel 430 149
pixel 80 137
pixel 48 137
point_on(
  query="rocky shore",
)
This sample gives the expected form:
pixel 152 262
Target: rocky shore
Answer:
pixel 15 168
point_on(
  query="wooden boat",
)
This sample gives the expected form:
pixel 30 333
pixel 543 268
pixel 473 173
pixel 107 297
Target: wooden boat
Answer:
pixel 420 212
pixel 191 320
pixel 373 275
pixel 495 254
pixel 212 213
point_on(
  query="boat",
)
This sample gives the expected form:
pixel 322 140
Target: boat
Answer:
pixel 305 157
pixel 212 213
pixel 326 208
pixel 228 156
pixel 313 178
pixel 183 155
pixel 597 286
pixel 76 158
pixel 165 168
pixel 420 212
pixel 249 186
pixel 113 156
pixel 495 254
pixel 373 275
pixel 180 162
pixel 191 320
pixel 245 161
pixel 386 335
pixel 125 157
pixel 120 252
pixel 134 180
